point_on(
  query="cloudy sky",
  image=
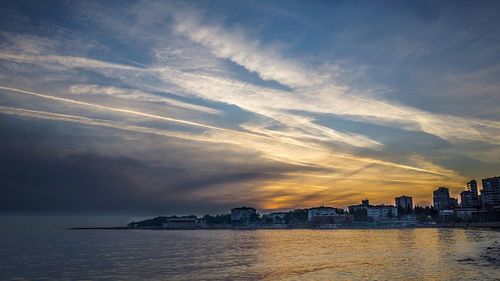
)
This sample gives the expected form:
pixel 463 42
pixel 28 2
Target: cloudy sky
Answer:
pixel 195 107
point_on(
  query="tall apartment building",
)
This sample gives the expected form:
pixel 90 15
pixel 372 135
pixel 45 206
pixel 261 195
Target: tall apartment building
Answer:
pixel 470 198
pixel 491 192
pixel 442 199
pixel 404 203
pixel 467 199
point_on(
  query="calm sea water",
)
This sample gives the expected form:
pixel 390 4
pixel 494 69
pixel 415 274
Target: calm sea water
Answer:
pixel 413 254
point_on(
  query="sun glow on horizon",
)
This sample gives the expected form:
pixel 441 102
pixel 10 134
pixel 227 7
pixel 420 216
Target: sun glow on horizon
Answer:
pixel 180 106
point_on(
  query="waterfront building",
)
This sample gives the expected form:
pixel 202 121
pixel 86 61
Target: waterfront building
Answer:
pixel 365 202
pixel 472 188
pixel 407 219
pixel 359 207
pixel 365 211
pixel 465 214
pixel 491 192
pixel 467 199
pixel 446 214
pixel 182 222
pixel 404 203
pixel 470 197
pixel 322 211
pixel 359 211
pixel 328 216
pixel 243 214
pixel 442 199
pixel 278 217
pixel 381 213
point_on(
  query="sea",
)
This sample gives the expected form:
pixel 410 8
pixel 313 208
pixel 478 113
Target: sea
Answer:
pixel 281 254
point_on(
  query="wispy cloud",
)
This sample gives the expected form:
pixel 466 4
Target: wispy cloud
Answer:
pixel 220 83
pixel 285 150
pixel 324 94
pixel 137 95
pixel 232 44
pixel 298 185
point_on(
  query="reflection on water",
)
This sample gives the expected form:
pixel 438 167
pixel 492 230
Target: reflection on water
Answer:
pixel 409 254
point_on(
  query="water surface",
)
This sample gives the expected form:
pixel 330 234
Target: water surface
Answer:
pixel 411 254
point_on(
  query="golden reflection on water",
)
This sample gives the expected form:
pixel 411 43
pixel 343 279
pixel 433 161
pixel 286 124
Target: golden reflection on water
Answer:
pixel 340 254
pixel 409 254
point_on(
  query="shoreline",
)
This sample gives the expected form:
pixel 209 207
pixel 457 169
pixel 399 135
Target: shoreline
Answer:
pixel 482 226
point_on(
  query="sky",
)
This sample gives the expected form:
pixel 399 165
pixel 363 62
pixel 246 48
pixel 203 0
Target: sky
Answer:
pixel 149 108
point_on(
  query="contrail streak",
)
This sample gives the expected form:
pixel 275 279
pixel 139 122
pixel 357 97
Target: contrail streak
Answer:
pixel 138 113
pixel 95 122
pixel 195 124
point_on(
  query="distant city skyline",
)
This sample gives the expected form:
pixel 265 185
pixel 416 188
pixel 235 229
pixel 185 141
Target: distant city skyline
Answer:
pixel 145 107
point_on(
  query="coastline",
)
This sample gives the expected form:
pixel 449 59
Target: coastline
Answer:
pixel 482 226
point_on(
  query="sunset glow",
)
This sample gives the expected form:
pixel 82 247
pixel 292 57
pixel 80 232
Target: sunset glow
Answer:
pixel 176 107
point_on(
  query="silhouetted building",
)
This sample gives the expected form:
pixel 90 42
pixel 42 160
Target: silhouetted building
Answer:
pixel 453 202
pixel 470 197
pixel 359 207
pixel 321 211
pixel 378 213
pixel 442 199
pixel 183 222
pixel 381 213
pixel 404 203
pixel 327 217
pixel 467 199
pixel 243 214
pixel 465 214
pixel 446 214
pixel 359 211
pixel 491 192
pixel 472 188
pixel 278 217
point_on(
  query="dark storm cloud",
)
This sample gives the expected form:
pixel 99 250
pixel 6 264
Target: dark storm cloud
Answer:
pixel 42 171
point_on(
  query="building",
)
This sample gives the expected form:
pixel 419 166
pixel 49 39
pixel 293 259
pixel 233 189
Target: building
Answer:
pixel 465 214
pixel 381 213
pixel 183 223
pixel 470 197
pixel 491 192
pixel 328 216
pixel 243 214
pixel 472 188
pixel 404 203
pixel 359 211
pixel 278 217
pixel 442 199
pixel 365 211
pixel 407 220
pixel 467 199
pixel 446 214
pixel 453 203
pixel 320 212
pixel 360 207
pixel 365 202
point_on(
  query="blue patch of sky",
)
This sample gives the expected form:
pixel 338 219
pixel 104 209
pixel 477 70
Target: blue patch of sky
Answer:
pixel 407 46
pixel 242 74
